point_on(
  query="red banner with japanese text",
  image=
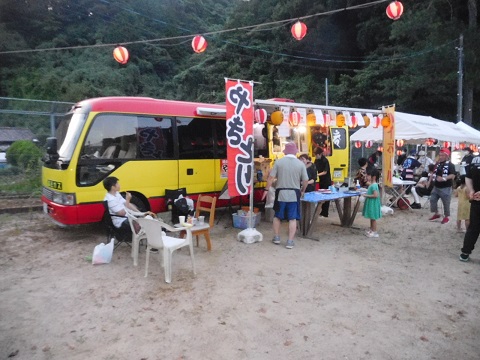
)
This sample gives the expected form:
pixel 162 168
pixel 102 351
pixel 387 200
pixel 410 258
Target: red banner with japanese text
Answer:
pixel 239 103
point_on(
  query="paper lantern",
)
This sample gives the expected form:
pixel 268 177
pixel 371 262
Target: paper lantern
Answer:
pixel 376 121
pixel 353 121
pixel 294 119
pixel 380 148
pixel 311 119
pixel 385 121
pixel 120 54
pixel 299 30
pixel 340 120
pixel 368 144
pixel 446 144
pixel 394 10
pixel 472 147
pixel 260 116
pixel 276 118
pixel 400 143
pixel 199 44
pixel 462 146
pixel 326 120
pixel 358 144
pixel 457 146
pixel 367 120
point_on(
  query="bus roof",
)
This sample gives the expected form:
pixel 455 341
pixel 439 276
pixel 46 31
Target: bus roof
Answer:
pixel 145 105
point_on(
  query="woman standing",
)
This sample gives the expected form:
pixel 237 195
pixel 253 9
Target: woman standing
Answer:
pixel 324 177
pixel 311 172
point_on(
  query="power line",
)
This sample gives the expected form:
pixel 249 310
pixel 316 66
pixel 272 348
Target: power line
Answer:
pixel 190 35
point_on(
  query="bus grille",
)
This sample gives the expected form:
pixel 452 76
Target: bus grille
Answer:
pixel 47 193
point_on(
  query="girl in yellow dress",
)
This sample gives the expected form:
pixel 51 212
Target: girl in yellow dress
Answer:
pixel 463 212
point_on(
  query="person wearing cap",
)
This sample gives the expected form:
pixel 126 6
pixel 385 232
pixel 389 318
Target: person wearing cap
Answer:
pixel 292 180
pixel 424 159
pixel 409 165
pixel 324 177
pixel 442 186
pixel 472 182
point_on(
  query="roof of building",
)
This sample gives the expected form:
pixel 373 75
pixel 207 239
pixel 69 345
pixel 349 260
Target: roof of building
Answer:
pixel 11 134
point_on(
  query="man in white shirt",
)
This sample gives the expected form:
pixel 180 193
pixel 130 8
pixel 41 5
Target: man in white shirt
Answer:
pixel 117 205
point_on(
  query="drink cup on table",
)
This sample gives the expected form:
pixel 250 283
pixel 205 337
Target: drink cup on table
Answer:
pixel 201 220
pixel 181 219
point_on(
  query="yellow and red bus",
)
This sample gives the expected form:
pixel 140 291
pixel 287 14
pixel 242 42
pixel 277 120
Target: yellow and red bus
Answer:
pixel 152 145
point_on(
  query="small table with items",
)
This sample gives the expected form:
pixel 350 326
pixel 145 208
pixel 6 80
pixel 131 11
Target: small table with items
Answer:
pixel 310 214
pixel 398 191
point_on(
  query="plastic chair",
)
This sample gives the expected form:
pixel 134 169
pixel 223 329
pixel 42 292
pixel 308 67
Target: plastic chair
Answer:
pixel 137 237
pixel 156 239
pixel 205 204
pixel 112 231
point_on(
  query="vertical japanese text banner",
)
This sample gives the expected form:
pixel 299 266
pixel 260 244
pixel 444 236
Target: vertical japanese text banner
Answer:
pixel 239 102
pixel 388 148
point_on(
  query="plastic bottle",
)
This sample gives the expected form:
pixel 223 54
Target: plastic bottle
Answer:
pixel 358 184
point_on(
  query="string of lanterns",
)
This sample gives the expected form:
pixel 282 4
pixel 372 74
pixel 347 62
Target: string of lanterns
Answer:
pixel 299 30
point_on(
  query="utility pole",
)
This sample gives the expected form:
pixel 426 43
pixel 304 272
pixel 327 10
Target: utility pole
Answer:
pixel 326 91
pixel 460 80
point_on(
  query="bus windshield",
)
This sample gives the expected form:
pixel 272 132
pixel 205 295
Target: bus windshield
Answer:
pixel 68 132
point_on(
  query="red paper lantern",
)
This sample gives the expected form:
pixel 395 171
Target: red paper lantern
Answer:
pixel 368 144
pixel 457 146
pixel 294 119
pixel 399 152
pixel 353 121
pixel 299 30
pixel 395 10
pixel 462 146
pixel 199 44
pixel 260 116
pixel 446 144
pixel 400 143
pixel 472 147
pixel 380 148
pixel 358 144
pixel 326 120
pixel 376 121
pixel 120 54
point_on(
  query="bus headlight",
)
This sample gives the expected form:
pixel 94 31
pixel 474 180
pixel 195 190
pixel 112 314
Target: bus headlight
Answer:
pixel 63 198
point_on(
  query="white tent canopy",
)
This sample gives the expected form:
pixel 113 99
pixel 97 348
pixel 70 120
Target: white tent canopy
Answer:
pixel 417 128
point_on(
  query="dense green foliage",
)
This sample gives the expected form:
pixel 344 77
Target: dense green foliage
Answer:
pixel 24 154
pixel 368 59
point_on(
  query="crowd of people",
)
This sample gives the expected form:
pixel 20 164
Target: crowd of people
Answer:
pixel 294 176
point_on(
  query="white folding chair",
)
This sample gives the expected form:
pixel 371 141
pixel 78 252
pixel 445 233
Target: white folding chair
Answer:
pixel 157 239
pixel 137 237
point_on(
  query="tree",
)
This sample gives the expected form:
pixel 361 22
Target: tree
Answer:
pixel 24 154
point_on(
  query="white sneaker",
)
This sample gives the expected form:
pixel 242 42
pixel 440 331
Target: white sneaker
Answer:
pixel 372 234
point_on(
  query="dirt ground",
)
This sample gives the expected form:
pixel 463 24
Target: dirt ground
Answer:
pixel 404 295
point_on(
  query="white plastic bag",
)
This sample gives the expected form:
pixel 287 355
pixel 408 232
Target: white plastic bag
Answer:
pixel 102 254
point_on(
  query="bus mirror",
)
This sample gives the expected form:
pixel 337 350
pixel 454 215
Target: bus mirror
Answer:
pixel 52 146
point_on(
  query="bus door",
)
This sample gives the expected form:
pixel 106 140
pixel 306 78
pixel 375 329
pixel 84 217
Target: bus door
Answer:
pixel 198 165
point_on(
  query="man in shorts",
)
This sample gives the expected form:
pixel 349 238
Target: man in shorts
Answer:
pixel 292 180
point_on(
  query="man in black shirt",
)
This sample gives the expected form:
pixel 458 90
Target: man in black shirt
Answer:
pixel 442 187
pixel 472 181
pixel 324 177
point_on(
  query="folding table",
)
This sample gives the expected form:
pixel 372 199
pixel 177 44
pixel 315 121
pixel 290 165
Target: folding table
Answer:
pixel 344 209
pixel 398 190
